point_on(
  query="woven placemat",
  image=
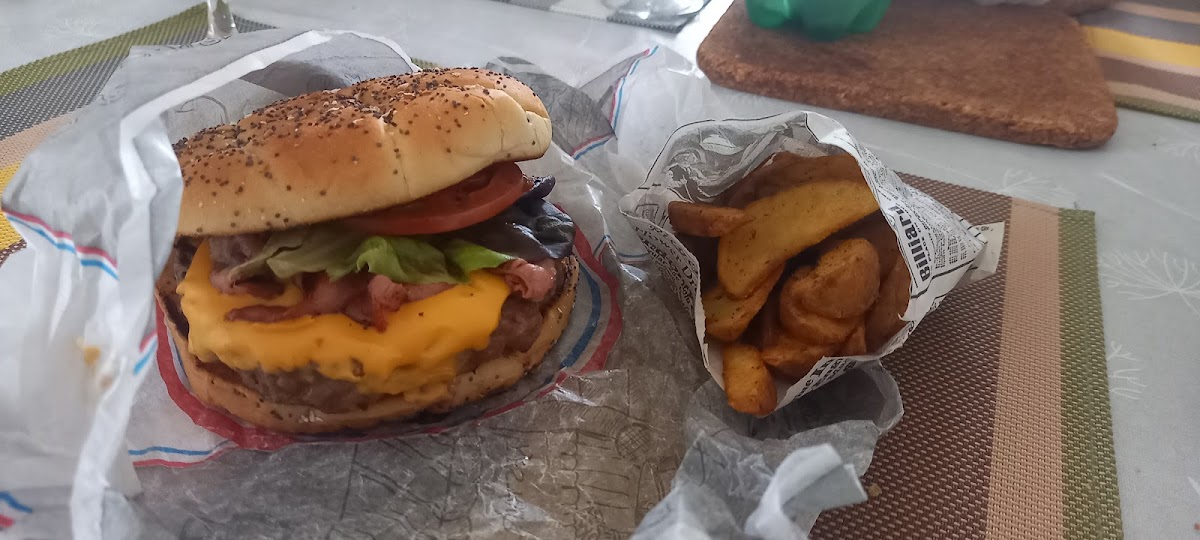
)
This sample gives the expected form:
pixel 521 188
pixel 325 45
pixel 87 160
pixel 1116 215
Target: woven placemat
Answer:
pixel 1150 53
pixel 37 98
pixel 1007 432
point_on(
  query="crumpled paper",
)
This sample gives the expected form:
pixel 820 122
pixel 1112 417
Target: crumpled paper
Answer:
pixel 644 446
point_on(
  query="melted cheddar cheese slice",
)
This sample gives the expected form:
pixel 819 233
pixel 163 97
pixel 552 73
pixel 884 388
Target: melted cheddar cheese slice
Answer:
pixel 417 352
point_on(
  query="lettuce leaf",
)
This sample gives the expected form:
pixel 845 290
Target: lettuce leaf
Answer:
pixel 406 259
pixel 402 259
pixel 321 248
pixel 296 251
pixel 469 257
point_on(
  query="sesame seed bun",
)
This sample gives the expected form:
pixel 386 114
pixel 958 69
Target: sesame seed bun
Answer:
pixel 333 154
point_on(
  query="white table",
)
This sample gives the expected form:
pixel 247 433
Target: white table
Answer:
pixel 1144 186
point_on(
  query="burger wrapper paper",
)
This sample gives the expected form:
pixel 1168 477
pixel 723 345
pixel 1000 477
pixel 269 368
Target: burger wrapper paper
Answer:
pixel 703 159
pixel 619 432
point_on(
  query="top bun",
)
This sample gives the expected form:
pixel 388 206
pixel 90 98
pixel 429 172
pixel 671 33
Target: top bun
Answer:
pixel 337 153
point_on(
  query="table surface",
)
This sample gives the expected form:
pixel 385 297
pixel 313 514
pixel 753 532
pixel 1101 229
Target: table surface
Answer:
pixel 1144 186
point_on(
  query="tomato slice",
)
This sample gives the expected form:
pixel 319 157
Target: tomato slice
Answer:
pixel 466 203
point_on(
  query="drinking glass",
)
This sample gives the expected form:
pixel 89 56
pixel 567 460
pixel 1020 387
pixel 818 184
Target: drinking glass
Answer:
pixel 220 20
pixel 647 9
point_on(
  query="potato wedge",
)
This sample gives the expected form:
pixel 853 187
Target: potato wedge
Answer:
pixel 786 170
pixel 785 224
pixel 791 316
pixel 842 166
pixel 883 320
pixel 765 329
pixel 843 284
pixel 725 317
pixel 746 189
pixel 809 327
pixel 699 219
pixel 787 356
pixel 876 230
pixel 856 344
pixel 748 384
pixel 705 251
pixel 793 358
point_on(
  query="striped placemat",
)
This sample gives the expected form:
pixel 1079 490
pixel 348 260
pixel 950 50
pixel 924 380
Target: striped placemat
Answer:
pixel 1149 51
pixel 1007 432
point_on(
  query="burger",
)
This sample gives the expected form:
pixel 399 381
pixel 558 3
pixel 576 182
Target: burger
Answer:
pixel 354 256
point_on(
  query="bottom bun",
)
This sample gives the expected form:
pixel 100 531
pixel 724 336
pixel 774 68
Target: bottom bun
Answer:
pixel 491 376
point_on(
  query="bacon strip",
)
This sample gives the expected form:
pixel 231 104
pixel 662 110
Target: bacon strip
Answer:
pixel 365 298
pixel 387 296
pixel 321 295
pixel 264 288
pixel 530 281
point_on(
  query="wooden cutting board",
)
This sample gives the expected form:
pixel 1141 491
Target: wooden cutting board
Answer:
pixel 1016 73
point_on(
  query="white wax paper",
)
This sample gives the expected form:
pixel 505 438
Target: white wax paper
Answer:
pixel 618 433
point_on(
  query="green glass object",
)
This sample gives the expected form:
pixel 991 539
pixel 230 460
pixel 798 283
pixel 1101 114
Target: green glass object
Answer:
pixel 821 20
